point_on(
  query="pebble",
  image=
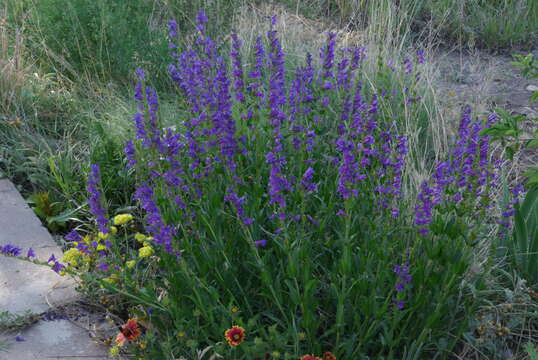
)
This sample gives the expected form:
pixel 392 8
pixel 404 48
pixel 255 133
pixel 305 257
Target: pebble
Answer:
pixel 532 88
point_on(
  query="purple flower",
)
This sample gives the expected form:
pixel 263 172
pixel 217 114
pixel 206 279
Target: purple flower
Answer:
pixel 172 28
pixel 201 21
pixel 257 74
pixel 307 182
pixel 58 267
pixel 327 57
pixel 162 234
pixel 408 66
pixel 129 152
pixel 73 236
pixel 237 68
pixel 30 254
pixel 260 243
pixel 94 200
pixel 10 250
pixel 102 267
pixel 400 304
pixel 140 74
pixel 421 58
pixel 341 212
pixel 404 278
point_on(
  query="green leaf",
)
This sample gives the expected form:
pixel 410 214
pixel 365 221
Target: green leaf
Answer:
pixel 509 153
pixel 520 245
pixel 534 97
pixel 532 143
pixel 531 350
pixel 64 216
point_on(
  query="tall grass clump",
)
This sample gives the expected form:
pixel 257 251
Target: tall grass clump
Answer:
pixel 491 24
pixel 277 216
pixel 103 40
pixel 12 66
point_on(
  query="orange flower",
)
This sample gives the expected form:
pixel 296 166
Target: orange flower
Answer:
pixel 129 331
pixel 235 335
pixel 310 357
pixel 327 355
pixel 120 339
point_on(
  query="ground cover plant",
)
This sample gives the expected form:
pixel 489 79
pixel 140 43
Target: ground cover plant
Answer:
pixel 277 217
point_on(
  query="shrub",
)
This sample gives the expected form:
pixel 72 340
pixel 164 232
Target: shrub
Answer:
pixel 277 217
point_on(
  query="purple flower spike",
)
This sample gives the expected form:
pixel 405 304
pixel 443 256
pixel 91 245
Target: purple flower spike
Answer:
pixel 260 243
pixel 237 68
pixel 421 58
pixel 140 74
pixel 30 254
pixel 94 179
pixel 201 21
pixel 172 28
pixel 402 272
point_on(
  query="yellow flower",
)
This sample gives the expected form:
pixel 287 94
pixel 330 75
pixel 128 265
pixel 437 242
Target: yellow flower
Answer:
pixel 143 345
pixel 113 230
pixel 72 256
pixel 109 280
pixel 122 219
pixel 235 310
pixel 130 264
pixel 114 351
pixel 181 334
pixel 145 251
pixel 140 237
pixel 87 239
pixel 101 247
pixel 102 236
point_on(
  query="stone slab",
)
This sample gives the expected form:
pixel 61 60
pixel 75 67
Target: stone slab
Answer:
pixel 23 285
pixel 28 287
pixel 59 339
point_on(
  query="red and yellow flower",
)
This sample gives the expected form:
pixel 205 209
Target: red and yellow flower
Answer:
pixel 309 357
pixel 235 335
pixel 130 331
pixel 327 355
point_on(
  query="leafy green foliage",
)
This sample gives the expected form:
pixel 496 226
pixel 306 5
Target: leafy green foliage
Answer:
pixel 531 350
pixel 508 131
pixel 523 245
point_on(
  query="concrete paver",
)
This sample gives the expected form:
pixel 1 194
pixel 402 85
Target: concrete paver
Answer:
pixel 28 287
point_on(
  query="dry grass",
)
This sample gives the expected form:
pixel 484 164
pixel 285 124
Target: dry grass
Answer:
pixel 13 68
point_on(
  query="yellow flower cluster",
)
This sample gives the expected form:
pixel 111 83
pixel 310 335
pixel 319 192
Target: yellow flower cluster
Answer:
pixel 122 219
pixel 145 251
pixel 140 237
pixel 72 257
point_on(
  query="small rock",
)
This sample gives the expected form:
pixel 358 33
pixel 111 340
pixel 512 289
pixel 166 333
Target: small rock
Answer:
pixel 532 88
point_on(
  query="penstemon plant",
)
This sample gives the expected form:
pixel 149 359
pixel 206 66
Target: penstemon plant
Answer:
pixel 277 218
